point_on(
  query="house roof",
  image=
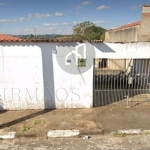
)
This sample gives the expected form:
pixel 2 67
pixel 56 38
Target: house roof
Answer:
pixel 127 26
pixel 4 37
pixel 8 38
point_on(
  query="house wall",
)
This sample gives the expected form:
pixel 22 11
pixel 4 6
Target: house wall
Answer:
pixel 122 35
pixel 144 32
pixel 21 73
pixel 138 33
pixel 26 79
pixel 32 78
pixel 73 89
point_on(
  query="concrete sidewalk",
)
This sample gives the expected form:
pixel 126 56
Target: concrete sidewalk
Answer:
pixel 106 119
pixel 105 142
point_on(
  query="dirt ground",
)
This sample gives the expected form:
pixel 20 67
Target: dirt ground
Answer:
pixel 107 119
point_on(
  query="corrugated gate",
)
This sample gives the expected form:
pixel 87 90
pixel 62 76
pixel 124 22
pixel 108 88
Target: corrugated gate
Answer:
pixel 121 80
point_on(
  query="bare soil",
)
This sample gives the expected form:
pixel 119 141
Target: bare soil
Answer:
pixel 108 118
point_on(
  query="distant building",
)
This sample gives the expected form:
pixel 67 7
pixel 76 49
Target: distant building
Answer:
pixel 134 32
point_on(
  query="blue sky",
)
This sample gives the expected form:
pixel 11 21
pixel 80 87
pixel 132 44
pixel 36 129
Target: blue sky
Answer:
pixel 59 16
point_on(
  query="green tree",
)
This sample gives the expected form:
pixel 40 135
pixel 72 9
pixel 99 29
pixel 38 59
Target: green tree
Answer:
pixel 88 31
pixel 32 36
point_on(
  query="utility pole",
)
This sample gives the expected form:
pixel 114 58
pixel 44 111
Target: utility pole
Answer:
pixel 35 32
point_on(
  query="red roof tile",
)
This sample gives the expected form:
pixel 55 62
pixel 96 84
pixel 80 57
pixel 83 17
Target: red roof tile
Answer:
pixel 127 26
pixel 4 37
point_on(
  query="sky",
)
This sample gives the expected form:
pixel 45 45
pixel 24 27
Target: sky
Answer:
pixel 59 16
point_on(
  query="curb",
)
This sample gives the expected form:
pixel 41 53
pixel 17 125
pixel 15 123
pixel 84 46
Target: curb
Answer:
pixel 62 133
pixel 70 133
pixel 92 132
pixel 26 135
pixel 7 135
pixel 131 132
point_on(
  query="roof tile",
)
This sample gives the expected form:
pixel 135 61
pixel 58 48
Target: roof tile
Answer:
pixel 127 26
pixel 4 37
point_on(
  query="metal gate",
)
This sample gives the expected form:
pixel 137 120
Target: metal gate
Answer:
pixel 121 80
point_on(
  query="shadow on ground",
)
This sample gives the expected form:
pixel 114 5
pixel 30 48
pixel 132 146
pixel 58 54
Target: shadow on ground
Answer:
pixel 22 119
pixel 106 118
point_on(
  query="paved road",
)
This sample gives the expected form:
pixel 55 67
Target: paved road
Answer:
pixel 103 142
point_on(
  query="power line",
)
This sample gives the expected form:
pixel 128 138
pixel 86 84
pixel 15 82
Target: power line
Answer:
pixel 136 12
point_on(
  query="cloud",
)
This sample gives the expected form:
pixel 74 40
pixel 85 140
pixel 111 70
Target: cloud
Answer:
pixel 59 14
pixel 74 22
pixel 78 7
pixel 55 24
pixel 48 24
pixel 136 6
pixel 27 18
pixel 101 7
pixel 100 22
pixel 36 26
pixel 14 20
pixel 30 30
pixel 85 3
pixel 2 4
pixel 38 16
pixel 65 24
pixel 45 29
pixel 64 31
pixel 77 13
pixel 30 17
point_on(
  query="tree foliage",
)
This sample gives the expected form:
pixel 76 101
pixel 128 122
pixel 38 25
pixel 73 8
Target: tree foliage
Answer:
pixel 88 31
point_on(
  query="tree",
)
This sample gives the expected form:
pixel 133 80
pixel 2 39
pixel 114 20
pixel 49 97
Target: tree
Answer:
pixel 88 31
pixel 32 36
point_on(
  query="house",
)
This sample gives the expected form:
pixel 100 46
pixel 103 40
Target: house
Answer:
pixel 132 32
pixel 39 74
pixel 33 74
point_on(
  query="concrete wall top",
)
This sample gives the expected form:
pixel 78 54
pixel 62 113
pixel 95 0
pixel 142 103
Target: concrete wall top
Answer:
pixel 146 9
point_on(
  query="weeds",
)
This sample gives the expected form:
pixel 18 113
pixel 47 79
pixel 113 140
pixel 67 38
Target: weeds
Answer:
pixel 37 122
pixel 25 128
pixel 118 134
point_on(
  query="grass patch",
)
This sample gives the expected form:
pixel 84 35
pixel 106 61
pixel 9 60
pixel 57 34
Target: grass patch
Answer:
pixel 74 119
pixel 25 128
pixel 1 139
pixel 37 122
pixel 118 134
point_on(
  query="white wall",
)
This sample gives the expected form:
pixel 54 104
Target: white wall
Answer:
pixel 73 90
pixel 25 67
pixel 21 72
pixel 26 76
pixel 31 78
pixel 121 51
